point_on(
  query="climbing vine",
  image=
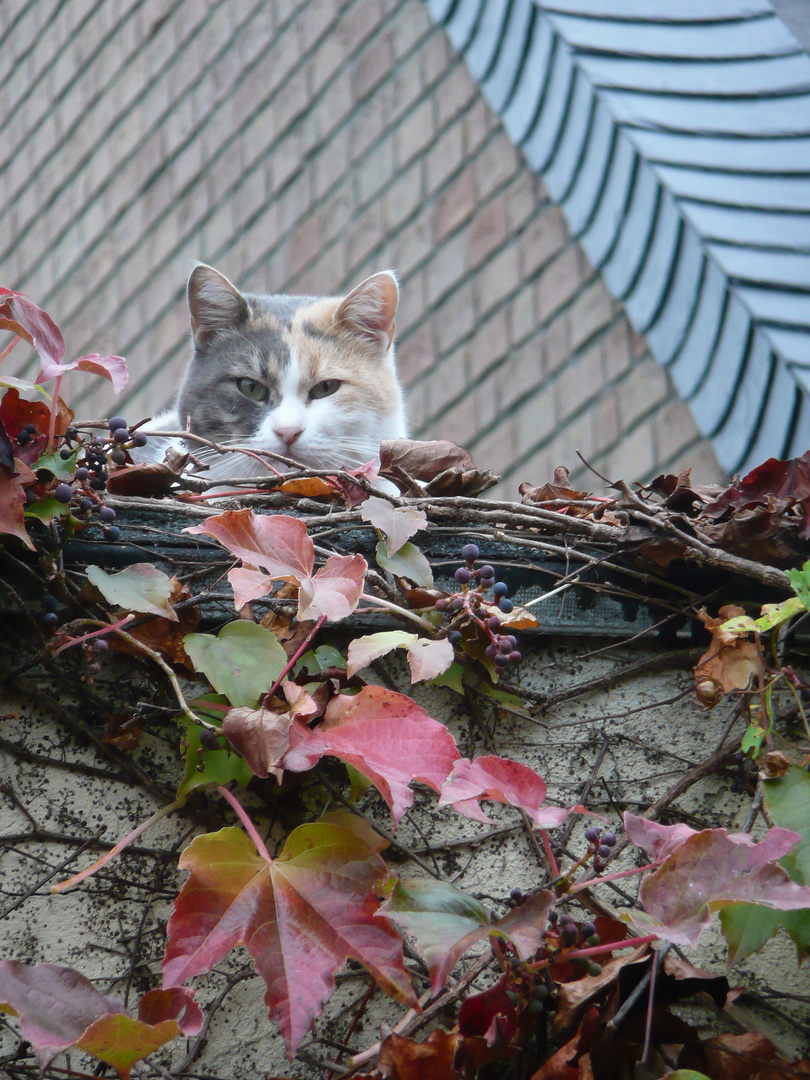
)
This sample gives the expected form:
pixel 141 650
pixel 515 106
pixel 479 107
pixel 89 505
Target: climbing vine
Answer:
pixel 285 696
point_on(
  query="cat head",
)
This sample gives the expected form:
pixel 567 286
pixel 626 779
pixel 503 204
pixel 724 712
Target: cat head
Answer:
pixel 312 379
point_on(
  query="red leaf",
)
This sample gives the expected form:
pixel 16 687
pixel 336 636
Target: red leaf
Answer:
pixel 59 1008
pixel 500 780
pixel 478 1013
pixel 710 870
pixel 278 544
pixel 300 916
pixel 12 507
pixel 335 589
pixel 21 315
pixel 17 412
pixel 113 368
pixel 262 736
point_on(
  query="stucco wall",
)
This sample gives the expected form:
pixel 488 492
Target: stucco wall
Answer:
pixel 299 145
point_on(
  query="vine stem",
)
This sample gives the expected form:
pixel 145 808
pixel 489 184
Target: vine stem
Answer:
pixel 170 675
pixel 302 648
pixel 589 884
pixel 119 847
pixel 57 386
pixel 250 828
pixel 105 629
pixel 594 950
pixel 389 606
pixel 14 341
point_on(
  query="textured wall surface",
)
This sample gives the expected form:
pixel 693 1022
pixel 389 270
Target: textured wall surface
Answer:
pixel 299 145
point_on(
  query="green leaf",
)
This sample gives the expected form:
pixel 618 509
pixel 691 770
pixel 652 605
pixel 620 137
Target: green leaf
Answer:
pixel 687 1074
pixel 47 510
pixel 800 580
pixel 748 926
pixel 210 767
pixel 242 661
pixel 62 469
pixel 752 740
pixel 408 562
pixel 140 587
pixel 317 660
pixel 787 798
pixel 452 678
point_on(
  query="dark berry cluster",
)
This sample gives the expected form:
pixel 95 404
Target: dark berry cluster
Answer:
pixel 745 774
pixel 602 845
pixel 570 933
pixel 48 617
pixel 93 458
pixel 472 605
pixel 26 434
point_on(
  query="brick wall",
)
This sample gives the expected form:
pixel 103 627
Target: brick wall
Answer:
pixel 299 145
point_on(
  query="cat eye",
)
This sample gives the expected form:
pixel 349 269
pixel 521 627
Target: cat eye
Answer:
pixel 252 388
pixel 324 389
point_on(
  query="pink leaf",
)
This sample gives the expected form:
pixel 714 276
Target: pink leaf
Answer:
pixel 113 368
pixel 21 315
pixel 710 870
pixel 335 589
pixel 248 585
pixel 278 544
pixel 499 780
pixel 300 916
pixel 59 1008
pixel 427 658
pixel 657 840
pixel 385 736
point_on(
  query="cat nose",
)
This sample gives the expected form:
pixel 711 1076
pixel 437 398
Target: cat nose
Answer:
pixel 288 433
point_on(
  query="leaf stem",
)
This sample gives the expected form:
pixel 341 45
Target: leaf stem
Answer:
pixel 57 386
pixel 105 629
pixel 14 341
pixel 250 828
pixel 404 612
pixel 302 648
pixel 119 847
pixel 589 884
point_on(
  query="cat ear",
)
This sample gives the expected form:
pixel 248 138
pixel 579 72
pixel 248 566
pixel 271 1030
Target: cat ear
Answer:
pixel 371 308
pixel 214 303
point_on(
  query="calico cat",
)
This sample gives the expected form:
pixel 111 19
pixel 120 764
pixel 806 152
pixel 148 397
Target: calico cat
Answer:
pixel 312 379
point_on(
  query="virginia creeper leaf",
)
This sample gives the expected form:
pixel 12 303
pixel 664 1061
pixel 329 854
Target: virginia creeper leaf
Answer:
pixel 398 523
pixel 139 587
pixel 262 736
pixel 209 768
pixel 59 1008
pixel 427 658
pixel 242 661
pixel 113 368
pixel 408 562
pixel 386 736
pixel 334 590
pixel 12 509
pixel 278 544
pixel 500 780
pixel 748 926
pixel 300 916
pixel 710 870
pixel 446 922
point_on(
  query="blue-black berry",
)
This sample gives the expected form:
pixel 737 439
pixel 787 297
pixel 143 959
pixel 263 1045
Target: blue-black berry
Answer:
pixel 454 637
pixel 117 422
pixel 112 533
pixel 120 434
pixel 505 605
pixel 500 588
pixel 63 492
pixel 486 573
pixel 107 514
pixel 470 552
pixel 49 602
pixel 462 575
